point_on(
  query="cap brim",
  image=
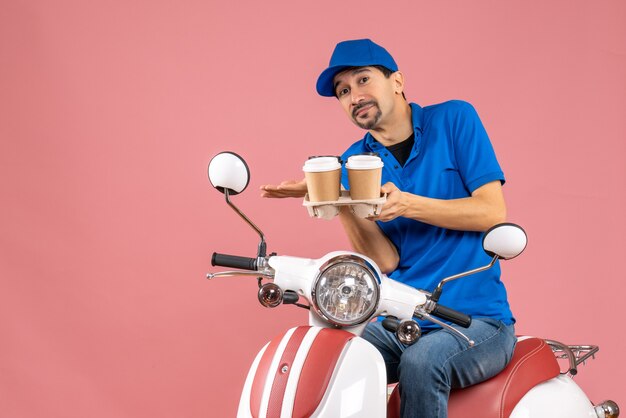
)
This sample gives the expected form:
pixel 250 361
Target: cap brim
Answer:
pixel 325 85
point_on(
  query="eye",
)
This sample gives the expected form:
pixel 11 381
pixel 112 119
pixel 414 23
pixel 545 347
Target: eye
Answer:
pixel 342 92
pixel 364 80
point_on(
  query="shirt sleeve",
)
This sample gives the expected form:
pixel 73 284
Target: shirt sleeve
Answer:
pixel 473 151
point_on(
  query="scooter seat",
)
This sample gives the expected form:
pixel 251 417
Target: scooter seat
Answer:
pixel 533 362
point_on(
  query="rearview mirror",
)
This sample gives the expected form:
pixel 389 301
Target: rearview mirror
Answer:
pixel 505 240
pixel 228 170
pixel 229 174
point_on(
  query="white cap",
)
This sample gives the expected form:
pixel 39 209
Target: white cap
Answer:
pixel 364 162
pixel 320 164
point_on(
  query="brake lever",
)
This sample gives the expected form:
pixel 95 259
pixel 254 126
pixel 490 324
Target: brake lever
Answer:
pixel 424 315
pixel 233 273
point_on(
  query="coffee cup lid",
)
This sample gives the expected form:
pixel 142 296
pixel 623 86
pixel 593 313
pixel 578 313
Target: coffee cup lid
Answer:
pixel 364 162
pixel 320 164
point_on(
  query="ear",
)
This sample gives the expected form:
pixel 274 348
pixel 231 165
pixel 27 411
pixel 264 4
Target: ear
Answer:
pixel 398 82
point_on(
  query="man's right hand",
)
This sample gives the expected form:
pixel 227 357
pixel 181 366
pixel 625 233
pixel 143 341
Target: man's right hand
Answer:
pixel 288 188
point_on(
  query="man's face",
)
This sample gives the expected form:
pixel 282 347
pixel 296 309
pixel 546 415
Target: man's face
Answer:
pixel 365 94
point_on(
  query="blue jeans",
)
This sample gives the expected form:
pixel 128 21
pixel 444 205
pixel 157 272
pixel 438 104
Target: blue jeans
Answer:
pixel 440 361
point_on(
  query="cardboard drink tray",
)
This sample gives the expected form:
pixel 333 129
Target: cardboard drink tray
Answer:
pixel 330 209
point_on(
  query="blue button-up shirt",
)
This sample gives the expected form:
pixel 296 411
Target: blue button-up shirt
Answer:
pixel 451 157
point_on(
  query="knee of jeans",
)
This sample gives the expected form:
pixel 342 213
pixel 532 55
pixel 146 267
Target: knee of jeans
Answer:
pixel 418 365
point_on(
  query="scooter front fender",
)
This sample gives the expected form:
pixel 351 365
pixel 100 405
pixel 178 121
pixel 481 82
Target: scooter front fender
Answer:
pixel 315 372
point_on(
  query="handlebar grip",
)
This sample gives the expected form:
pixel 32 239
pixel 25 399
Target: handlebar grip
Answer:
pixel 235 261
pixel 453 316
pixel 391 323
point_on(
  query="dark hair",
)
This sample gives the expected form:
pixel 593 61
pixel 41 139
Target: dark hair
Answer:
pixel 386 71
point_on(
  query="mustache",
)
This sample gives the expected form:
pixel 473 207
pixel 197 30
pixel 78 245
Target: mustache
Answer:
pixel 362 105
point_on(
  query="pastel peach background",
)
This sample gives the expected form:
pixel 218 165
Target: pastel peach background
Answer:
pixel 110 111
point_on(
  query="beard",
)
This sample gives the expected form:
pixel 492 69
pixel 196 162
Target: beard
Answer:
pixel 370 122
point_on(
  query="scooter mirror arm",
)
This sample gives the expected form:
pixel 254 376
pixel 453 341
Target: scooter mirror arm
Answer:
pixel 423 315
pixel 233 273
pixel 437 292
pixel 262 246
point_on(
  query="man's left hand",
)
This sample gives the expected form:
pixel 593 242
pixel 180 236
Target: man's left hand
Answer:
pixel 396 205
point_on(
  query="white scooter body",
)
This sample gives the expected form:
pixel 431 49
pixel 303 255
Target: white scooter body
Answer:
pixel 558 397
pixel 357 386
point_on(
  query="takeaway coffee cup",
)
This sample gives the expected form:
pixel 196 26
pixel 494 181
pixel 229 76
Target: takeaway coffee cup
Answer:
pixel 323 178
pixel 364 176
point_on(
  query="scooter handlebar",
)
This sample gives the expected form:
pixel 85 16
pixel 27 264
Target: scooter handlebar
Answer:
pixel 449 314
pixel 235 261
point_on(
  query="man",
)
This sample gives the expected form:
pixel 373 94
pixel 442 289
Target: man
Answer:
pixel 443 186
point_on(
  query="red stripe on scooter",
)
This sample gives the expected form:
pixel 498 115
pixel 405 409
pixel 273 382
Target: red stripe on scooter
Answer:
pixel 258 384
pixel 280 379
pixel 318 369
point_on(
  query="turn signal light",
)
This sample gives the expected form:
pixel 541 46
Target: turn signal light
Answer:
pixel 270 295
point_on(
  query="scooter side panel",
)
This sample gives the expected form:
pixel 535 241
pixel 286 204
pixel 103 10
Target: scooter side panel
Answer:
pixel 559 397
pixel 271 388
pixel 358 387
pixel 244 402
pixel 317 370
pixel 257 389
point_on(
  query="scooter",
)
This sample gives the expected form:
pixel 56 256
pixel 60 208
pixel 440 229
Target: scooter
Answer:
pixel 326 369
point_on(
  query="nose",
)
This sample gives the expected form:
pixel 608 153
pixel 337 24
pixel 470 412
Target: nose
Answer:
pixel 356 96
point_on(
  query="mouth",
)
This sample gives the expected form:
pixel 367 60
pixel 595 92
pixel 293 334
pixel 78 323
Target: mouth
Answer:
pixel 361 110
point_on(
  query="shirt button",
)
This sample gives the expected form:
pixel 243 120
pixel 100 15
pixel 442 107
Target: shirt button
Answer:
pixel 396 166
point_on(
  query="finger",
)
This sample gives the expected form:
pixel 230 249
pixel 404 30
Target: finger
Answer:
pixel 381 218
pixel 272 192
pixel 286 189
pixel 386 207
pixel 277 187
pixel 274 195
pixel 288 186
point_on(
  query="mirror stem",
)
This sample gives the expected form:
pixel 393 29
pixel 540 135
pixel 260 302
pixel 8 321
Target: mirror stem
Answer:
pixel 262 247
pixel 437 293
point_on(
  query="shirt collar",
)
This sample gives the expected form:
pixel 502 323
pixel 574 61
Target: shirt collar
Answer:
pixel 416 115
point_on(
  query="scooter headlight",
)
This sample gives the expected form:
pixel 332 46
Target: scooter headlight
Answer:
pixel 346 291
